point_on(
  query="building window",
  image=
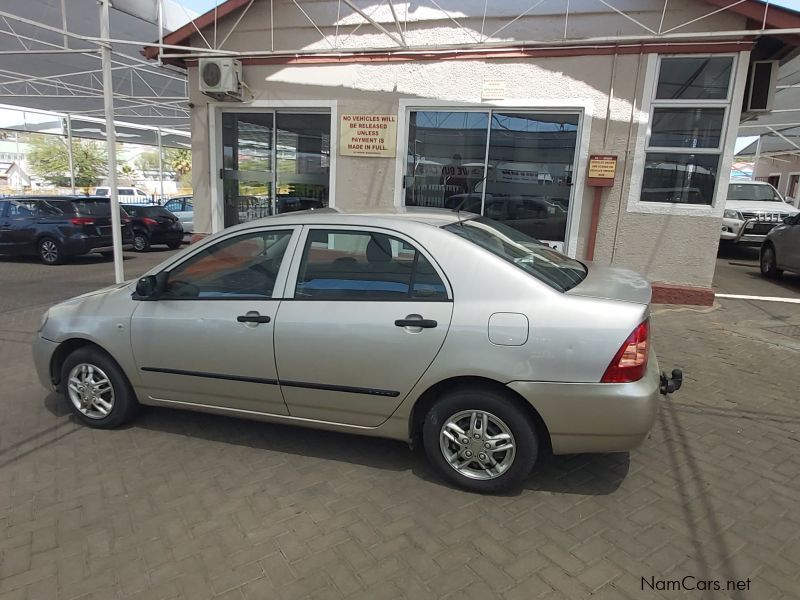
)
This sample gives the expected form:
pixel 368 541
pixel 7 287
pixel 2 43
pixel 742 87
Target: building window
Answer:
pixel 688 117
pixel 513 166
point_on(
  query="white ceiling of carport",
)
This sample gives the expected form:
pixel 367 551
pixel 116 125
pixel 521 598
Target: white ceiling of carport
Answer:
pixel 145 93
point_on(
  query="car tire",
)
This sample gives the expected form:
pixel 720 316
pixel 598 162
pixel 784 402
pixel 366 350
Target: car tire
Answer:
pixel 107 255
pixel 141 241
pixel 500 421
pixel 50 251
pixel 98 392
pixel 768 262
pixel 174 245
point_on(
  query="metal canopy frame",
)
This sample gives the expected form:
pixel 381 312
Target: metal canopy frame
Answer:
pixel 390 18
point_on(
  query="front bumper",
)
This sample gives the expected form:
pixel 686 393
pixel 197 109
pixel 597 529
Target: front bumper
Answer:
pixel 43 350
pixel 750 231
pixel 596 417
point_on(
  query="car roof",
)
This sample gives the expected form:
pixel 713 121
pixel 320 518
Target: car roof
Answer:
pixel 750 182
pixel 436 217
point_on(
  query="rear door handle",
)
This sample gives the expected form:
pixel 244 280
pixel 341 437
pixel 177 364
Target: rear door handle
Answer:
pixel 423 323
pixel 253 318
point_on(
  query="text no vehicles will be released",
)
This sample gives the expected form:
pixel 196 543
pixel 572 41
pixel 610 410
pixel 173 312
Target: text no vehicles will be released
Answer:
pixel 368 135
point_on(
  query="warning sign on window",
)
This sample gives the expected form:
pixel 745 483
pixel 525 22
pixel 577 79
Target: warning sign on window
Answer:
pixel 368 135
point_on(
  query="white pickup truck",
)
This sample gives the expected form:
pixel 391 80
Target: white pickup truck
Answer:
pixel 752 209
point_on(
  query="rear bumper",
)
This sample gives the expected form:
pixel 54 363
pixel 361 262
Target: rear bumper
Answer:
pixel 596 417
pixel 85 244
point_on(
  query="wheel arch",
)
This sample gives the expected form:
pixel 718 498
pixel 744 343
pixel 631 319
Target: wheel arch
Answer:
pixel 66 348
pixel 427 399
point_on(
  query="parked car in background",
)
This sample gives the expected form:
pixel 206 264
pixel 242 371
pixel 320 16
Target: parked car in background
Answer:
pixel 429 325
pixel 182 208
pixel 781 249
pixel 153 224
pixel 126 194
pixel 752 209
pixel 55 228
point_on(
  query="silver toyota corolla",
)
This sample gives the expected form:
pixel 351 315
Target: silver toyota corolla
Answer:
pixel 443 327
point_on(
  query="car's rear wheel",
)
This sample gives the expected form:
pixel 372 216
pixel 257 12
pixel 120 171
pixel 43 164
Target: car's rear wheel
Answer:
pixel 99 393
pixel 141 241
pixel 50 251
pixel 769 263
pixel 480 440
pixel 174 245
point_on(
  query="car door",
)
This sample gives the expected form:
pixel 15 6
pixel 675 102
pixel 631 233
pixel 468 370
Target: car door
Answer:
pixel 790 246
pixel 208 339
pixel 182 208
pixel 347 345
pixel 20 226
pixel 5 225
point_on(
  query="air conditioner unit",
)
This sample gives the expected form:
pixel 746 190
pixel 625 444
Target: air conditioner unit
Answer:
pixel 761 82
pixel 221 78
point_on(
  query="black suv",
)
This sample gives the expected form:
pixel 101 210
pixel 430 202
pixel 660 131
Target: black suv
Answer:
pixel 57 227
pixel 153 225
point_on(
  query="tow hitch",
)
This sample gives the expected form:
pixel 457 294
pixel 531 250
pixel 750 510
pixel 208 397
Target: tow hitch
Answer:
pixel 671 383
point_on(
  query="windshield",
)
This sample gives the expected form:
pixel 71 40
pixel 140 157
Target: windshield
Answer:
pixel 530 255
pixel 753 193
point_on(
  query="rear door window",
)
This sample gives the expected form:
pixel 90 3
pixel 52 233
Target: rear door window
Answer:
pixel 365 265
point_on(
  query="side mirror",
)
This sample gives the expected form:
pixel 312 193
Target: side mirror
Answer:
pixel 148 287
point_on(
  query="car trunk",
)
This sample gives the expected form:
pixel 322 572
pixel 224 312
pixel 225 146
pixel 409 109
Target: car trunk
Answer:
pixel 612 283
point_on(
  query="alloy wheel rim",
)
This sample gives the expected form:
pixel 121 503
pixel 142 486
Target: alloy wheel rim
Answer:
pixel 477 444
pixel 49 251
pixel 139 242
pixel 90 390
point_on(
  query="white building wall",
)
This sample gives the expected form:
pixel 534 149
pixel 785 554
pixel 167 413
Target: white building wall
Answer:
pixel 666 247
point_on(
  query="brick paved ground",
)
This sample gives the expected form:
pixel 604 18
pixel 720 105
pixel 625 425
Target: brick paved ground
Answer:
pixel 192 506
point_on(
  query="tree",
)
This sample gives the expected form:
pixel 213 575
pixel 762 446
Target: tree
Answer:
pixel 148 161
pixel 49 160
pixel 179 160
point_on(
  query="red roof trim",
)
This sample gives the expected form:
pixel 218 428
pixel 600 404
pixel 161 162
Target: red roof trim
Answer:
pixel 388 57
pixel 180 36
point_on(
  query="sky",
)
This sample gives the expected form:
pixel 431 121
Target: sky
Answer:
pixel 202 6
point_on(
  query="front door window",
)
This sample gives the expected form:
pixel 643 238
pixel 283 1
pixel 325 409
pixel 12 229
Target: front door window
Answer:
pixel 513 166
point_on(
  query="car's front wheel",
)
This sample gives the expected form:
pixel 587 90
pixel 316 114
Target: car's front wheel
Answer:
pixel 98 391
pixel 769 264
pixel 174 245
pixel 480 440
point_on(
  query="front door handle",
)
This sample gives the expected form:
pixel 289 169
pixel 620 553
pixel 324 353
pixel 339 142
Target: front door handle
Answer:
pixel 423 323
pixel 253 317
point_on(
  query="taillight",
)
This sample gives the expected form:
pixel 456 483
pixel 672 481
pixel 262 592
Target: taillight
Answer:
pixel 81 221
pixel 630 362
pixel 149 221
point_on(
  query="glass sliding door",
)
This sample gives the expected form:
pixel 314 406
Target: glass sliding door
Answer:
pixel 514 166
pixel 529 187
pixel 247 163
pixel 273 162
pixel 303 161
pixel 446 158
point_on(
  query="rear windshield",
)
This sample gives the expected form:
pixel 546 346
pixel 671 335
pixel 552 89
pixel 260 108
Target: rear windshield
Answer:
pixel 156 211
pixel 100 207
pixel 530 255
pixel 752 192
